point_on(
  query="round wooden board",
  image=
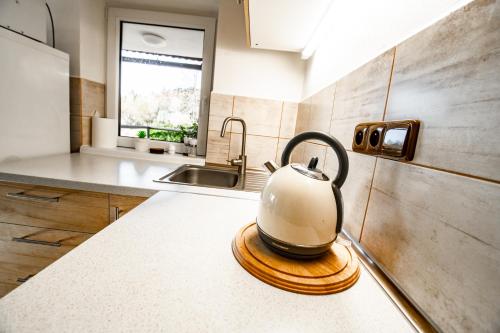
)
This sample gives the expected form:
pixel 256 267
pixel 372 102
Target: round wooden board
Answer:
pixel 337 270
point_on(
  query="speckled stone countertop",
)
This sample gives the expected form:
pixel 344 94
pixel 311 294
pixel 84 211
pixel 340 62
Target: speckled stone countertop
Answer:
pixel 168 266
pixel 99 173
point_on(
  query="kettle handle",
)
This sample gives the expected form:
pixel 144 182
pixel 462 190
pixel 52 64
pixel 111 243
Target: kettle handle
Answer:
pixel 326 138
pixel 340 208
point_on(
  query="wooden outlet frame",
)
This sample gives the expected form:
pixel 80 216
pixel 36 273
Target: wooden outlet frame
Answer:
pixel 381 149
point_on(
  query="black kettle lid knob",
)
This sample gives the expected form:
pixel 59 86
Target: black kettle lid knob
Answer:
pixel 313 163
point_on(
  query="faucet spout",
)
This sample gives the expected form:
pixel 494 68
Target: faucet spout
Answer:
pixel 242 161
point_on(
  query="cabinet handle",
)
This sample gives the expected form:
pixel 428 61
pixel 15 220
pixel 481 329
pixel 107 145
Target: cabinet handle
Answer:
pixel 31 197
pixel 34 241
pixel 115 213
pixel 26 278
pixel 118 212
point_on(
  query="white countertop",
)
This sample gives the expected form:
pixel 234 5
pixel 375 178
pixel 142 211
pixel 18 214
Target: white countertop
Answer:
pixel 89 172
pixel 168 266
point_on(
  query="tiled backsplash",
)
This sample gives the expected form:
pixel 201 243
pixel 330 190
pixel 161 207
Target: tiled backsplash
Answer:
pixel 433 223
pixel 270 124
pixel 87 98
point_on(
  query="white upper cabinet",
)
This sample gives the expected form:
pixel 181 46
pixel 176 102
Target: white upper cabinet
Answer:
pixel 284 25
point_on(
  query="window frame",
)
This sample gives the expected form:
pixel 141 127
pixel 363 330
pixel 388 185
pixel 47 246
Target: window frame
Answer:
pixel 115 18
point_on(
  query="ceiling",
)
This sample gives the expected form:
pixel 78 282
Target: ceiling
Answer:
pixel 292 22
pixel 182 42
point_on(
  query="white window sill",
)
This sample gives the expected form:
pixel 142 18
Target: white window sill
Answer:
pixel 121 152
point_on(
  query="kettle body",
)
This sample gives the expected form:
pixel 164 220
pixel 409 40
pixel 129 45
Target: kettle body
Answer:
pixel 301 210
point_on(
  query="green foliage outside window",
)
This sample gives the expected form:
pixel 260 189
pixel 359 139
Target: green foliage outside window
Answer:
pixel 176 134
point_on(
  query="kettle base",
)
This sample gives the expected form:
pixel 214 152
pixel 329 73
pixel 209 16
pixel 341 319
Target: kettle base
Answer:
pixel 293 251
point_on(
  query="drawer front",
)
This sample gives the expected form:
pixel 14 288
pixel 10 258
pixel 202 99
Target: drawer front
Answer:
pixel 54 208
pixel 120 205
pixel 6 288
pixel 25 251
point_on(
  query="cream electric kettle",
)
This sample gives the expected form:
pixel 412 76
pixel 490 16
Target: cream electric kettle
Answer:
pixel 301 209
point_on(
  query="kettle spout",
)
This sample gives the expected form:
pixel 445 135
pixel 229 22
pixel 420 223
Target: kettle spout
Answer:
pixel 271 166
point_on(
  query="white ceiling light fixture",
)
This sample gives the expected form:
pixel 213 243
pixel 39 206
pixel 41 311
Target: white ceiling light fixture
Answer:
pixel 153 39
pixel 319 33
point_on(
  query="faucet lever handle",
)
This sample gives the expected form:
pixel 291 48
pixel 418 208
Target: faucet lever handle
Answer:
pixel 235 162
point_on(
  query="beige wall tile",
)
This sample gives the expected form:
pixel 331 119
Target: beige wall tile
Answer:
pixel 217 147
pixel 305 151
pixel 438 234
pixel 262 116
pixel 297 154
pixel 313 150
pixel 75 110
pixel 448 77
pixel 221 106
pixel 93 98
pixel 259 149
pixel 315 113
pixel 288 120
pixel 321 110
pixel 86 131
pixel 75 133
pixel 356 188
pixel 303 116
pixel 360 97
pixel 85 97
pixel 75 95
pixel 281 146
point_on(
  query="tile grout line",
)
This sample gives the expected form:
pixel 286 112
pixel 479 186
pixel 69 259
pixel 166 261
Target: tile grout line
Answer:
pixel 333 109
pixel 230 131
pixel 456 173
pixel 389 85
pixel 376 158
pixel 368 201
pixel 279 130
pixel 331 120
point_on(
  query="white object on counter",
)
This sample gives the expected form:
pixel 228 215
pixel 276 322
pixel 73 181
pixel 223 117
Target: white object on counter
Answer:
pixel 141 145
pixel 34 97
pixel 171 149
pixel 103 132
pixel 191 148
pixel 168 267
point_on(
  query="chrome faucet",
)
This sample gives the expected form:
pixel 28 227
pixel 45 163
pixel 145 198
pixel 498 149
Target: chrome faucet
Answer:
pixel 242 161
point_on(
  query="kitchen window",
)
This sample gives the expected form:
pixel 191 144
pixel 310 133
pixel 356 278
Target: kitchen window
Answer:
pixel 161 75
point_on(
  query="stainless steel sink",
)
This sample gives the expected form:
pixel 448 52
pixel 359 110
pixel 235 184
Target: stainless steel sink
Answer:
pixel 217 177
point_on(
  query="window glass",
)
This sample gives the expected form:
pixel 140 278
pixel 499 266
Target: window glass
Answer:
pixel 160 81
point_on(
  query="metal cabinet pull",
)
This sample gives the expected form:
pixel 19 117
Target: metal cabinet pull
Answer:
pixel 115 213
pixel 34 241
pixel 31 197
pixel 26 278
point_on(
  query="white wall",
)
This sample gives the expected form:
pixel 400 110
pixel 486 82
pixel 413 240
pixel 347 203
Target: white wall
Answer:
pixel 93 40
pixel 67 30
pixel 80 31
pixel 360 30
pixel 242 71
